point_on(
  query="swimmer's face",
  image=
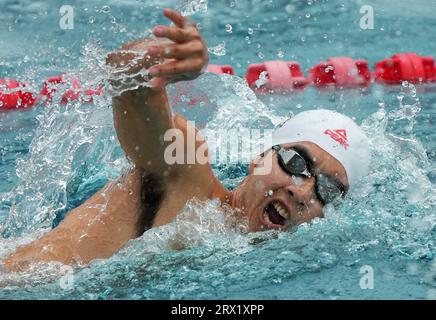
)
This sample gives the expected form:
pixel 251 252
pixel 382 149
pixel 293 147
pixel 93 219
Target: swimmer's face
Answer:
pixel 279 200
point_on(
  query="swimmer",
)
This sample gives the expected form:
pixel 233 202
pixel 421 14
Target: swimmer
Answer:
pixel 315 157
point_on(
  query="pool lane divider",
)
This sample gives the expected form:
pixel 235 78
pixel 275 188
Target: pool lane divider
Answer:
pixel 276 76
pixel 337 73
pixel 264 77
pixel 405 67
pixel 342 72
pixel 16 95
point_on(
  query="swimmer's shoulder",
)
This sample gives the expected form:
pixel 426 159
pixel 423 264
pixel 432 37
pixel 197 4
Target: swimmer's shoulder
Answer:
pixel 190 181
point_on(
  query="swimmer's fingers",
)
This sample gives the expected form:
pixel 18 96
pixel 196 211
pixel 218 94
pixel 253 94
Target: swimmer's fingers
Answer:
pixel 176 51
pixel 176 34
pixel 175 17
pixel 188 69
pixel 160 82
pixel 185 56
pixel 183 31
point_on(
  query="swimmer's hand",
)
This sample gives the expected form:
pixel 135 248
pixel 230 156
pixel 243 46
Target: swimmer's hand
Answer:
pixel 130 63
pixel 185 56
pixel 178 53
pixel 142 116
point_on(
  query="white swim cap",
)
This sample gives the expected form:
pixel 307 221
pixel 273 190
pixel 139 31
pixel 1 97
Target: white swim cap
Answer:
pixel 337 134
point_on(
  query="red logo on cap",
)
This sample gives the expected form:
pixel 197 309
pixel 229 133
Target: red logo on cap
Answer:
pixel 339 135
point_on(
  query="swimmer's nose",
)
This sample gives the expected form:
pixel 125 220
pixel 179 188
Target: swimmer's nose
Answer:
pixel 303 192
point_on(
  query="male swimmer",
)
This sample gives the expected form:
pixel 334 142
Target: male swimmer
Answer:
pixel 315 157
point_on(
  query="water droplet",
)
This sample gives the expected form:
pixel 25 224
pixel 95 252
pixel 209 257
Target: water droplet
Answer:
pixel 105 9
pixel 189 8
pixel 219 49
pixel 91 19
pixel 250 31
pixel 297 181
pixel 307 15
pixel 280 54
pixel 263 77
pixel 290 8
pixel 260 55
pixel 229 28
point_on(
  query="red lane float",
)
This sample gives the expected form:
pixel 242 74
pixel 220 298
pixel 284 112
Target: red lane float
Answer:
pixel 220 69
pixel 269 76
pixel 342 72
pixel 276 76
pixel 15 99
pixel 405 67
pixel 73 93
pixel 13 94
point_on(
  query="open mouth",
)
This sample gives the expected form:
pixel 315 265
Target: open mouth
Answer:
pixel 275 215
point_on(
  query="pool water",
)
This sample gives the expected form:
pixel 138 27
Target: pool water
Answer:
pixel 53 157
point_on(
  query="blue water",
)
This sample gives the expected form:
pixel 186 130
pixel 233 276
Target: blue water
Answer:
pixel 54 157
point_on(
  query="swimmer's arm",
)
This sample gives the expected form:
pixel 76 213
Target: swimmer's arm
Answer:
pixel 96 229
pixel 143 116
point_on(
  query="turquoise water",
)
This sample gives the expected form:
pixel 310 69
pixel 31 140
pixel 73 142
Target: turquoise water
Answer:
pixel 54 157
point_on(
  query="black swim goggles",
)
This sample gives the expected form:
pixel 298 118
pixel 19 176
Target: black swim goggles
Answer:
pixel 327 188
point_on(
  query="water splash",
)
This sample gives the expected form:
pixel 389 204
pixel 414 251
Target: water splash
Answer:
pixel 191 7
pixel 388 222
pixel 219 49
pixel 409 106
pixel 263 78
pixel 74 145
pixel 210 253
